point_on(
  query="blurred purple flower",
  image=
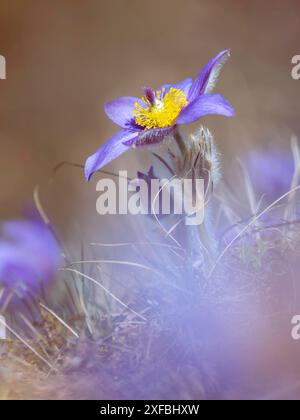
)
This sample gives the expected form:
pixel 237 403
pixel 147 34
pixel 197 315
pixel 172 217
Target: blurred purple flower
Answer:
pixel 271 172
pixel 29 258
pixel 149 120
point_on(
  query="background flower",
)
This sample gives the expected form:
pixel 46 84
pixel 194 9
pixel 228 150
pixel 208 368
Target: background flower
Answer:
pixel 271 172
pixel 29 258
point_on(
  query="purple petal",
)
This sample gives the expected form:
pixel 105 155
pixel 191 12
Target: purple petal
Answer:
pixel 184 86
pixel 271 172
pixel 36 241
pixel 208 76
pixel 120 111
pixel 150 137
pixel 8 255
pixel 205 105
pixel 110 151
pixel 29 257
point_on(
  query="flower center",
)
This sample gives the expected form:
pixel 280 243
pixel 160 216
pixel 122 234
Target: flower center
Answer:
pixel 163 111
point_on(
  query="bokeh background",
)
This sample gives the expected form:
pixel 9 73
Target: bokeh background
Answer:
pixel 66 58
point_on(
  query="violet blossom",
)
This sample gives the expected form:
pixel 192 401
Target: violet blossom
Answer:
pixel 271 172
pixel 29 259
pixel 150 120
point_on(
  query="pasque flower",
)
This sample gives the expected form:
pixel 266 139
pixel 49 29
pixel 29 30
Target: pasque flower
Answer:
pixel 29 258
pixel 149 120
pixel 271 172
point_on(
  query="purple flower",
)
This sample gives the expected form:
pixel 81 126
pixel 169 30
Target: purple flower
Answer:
pixel 271 172
pixel 29 258
pixel 149 120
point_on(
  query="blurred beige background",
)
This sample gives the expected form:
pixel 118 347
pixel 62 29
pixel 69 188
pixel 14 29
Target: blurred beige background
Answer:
pixel 66 58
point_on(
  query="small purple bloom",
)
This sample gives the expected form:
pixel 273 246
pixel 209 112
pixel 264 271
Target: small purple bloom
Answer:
pixel 271 172
pixel 29 259
pixel 150 120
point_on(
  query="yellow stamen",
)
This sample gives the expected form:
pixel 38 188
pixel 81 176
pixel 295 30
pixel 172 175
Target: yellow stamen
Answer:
pixel 164 112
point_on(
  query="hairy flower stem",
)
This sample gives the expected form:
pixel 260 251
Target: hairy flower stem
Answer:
pixel 180 142
pixel 197 240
